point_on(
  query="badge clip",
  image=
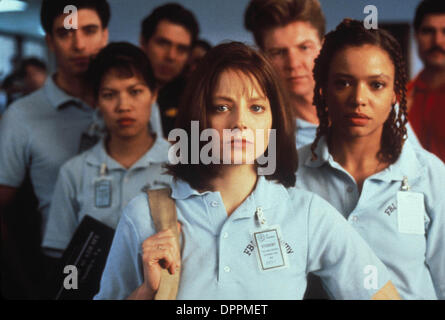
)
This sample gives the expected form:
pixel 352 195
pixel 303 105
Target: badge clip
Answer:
pixel 260 216
pixel 405 185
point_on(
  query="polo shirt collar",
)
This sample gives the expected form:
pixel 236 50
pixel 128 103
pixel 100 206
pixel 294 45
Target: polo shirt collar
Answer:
pixel 303 124
pixel 406 166
pixel 59 98
pixel 265 194
pixel 157 154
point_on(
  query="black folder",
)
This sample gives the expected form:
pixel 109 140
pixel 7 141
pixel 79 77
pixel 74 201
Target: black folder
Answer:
pixel 87 251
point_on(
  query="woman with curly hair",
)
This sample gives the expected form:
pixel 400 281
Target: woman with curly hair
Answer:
pixel 390 191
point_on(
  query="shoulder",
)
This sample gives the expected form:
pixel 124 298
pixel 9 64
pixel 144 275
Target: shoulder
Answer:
pixel 137 215
pixel 74 165
pixel 304 153
pixel 431 166
pixel 302 198
pixel 30 103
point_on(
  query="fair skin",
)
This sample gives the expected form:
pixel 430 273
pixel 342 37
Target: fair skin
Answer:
pixel 359 94
pixel 292 50
pixel 125 104
pixel 168 50
pixel 238 103
pixel 74 48
pixel 431 47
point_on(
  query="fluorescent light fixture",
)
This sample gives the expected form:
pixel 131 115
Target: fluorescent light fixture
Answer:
pixel 12 5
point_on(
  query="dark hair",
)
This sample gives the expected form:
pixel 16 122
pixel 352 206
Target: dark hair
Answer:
pixel 352 33
pixel 35 62
pixel 203 44
pixel 124 58
pixel 262 15
pixel 174 13
pixel 428 7
pixel 197 98
pixel 51 9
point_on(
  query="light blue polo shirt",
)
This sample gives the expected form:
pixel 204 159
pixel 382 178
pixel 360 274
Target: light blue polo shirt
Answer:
pixel 416 262
pixel 74 195
pixel 40 132
pixel 219 257
pixel 305 132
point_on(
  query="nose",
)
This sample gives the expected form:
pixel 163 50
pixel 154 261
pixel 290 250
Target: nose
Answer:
pixel 123 103
pixel 240 118
pixel 439 38
pixel 171 53
pixel 78 41
pixel 358 96
pixel 293 59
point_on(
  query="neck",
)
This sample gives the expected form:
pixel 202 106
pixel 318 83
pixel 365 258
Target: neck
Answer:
pixel 74 86
pixel 127 151
pixel 434 77
pixel 304 109
pixel 358 156
pixel 235 184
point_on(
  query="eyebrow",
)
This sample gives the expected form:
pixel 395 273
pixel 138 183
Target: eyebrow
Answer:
pixel 377 76
pixel 164 39
pixel 129 87
pixel 254 99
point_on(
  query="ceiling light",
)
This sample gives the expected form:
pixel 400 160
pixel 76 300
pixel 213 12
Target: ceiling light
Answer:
pixel 12 5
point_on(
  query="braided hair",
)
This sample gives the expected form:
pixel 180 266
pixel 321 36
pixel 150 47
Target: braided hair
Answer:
pixel 352 33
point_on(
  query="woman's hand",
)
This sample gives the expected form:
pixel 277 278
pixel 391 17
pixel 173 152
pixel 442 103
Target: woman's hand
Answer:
pixel 159 251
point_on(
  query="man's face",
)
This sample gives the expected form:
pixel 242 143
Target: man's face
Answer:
pixel 292 50
pixel 168 50
pixel 34 78
pixel 431 40
pixel 74 48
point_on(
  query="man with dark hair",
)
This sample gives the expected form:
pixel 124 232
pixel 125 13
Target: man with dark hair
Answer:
pixel 426 93
pixel 199 50
pixel 41 131
pixel 167 36
pixel 33 72
pixel 290 33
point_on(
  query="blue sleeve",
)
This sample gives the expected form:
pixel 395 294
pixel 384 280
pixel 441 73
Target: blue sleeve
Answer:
pixel 123 271
pixel 347 266
pixel 63 213
pixel 412 138
pixel 435 233
pixel 14 148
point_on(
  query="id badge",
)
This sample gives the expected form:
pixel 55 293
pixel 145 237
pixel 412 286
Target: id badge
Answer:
pixel 102 192
pixel 411 212
pixel 270 253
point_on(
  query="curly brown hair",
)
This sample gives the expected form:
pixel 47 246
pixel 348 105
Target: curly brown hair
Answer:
pixel 352 33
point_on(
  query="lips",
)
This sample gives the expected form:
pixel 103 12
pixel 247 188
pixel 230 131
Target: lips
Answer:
pixel 297 78
pixel 125 122
pixel 357 119
pixel 81 60
pixel 240 142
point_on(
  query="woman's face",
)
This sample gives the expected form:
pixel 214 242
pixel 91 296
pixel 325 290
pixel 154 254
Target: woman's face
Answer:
pixel 125 104
pixel 360 91
pixel 240 105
